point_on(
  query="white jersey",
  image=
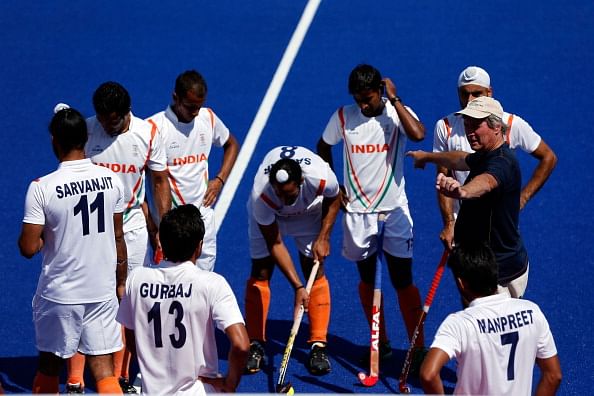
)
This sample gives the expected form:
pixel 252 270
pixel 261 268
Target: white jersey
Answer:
pixel 75 204
pixel 496 341
pixel 173 309
pixel 128 155
pixel 187 147
pixel 373 156
pixel 449 135
pixel 319 181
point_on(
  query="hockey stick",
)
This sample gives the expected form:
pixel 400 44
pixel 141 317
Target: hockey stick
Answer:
pixel 281 387
pixel 371 379
pixel 428 301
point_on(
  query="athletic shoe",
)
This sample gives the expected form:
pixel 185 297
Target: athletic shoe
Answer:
pixel 127 389
pixel 418 355
pixel 318 362
pixel 385 353
pixel 255 359
pixel 74 389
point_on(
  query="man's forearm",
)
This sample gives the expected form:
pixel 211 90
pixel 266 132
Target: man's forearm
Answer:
pixel 238 353
pixel 230 152
pixel 455 160
pixel 162 192
pixel 330 208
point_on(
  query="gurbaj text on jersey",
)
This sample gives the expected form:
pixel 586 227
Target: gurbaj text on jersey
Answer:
pixel 160 291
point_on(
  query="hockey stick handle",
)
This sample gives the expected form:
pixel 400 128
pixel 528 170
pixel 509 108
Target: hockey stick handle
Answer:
pixel 436 280
pixel 296 324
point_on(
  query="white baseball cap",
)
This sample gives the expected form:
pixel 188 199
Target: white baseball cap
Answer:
pixel 482 107
pixel 474 75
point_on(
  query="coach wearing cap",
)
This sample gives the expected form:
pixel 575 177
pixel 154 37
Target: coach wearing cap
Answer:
pixel 490 196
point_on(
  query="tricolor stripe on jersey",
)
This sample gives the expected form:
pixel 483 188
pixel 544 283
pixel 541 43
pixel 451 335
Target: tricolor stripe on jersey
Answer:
pixel 138 189
pixel 352 175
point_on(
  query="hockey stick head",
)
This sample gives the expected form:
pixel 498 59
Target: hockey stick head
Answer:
pixel 286 388
pixel 367 380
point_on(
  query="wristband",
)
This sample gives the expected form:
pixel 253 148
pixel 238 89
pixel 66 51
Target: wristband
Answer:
pixel 299 287
pixel 220 179
pixel 394 100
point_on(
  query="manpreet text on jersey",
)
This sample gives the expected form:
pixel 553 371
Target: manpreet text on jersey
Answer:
pixel 161 292
pixel 512 321
pixel 84 186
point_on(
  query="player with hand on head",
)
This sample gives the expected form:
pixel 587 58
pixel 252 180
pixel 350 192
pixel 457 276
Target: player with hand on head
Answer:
pixel 186 302
pixel 449 135
pixel 70 215
pixel 129 146
pixel 189 130
pixel 496 340
pixel 490 196
pixel 296 194
pixel 374 131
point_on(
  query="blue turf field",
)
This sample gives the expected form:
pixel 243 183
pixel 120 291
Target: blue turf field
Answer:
pixel 539 55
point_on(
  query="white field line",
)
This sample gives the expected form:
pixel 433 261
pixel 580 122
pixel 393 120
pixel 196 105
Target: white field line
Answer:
pixel 261 118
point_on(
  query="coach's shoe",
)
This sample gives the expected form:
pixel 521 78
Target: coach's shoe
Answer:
pixel 385 353
pixel 418 355
pixel 74 389
pixel 127 389
pixel 255 359
pixel 318 362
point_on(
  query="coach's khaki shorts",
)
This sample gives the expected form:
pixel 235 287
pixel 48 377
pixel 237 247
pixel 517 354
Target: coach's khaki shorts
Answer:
pixel 63 329
pixel 517 287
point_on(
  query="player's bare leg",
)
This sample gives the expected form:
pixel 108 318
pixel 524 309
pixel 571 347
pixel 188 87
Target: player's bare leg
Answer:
pixel 101 367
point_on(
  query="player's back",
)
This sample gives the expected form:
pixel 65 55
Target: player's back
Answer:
pixel 78 201
pixel 500 339
pixel 173 309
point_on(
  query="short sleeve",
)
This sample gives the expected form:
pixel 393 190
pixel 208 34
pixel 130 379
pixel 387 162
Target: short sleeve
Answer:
pixel 545 347
pixel 331 187
pixel 440 135
pixel 224 308
pixel 125 315
pixel 34 204
pixel 333 133
pixel 499 167
pixel 220 132
pixel 158 157
pixel 523 136
pixel 262 212
pixel 120 203
pixel 448 337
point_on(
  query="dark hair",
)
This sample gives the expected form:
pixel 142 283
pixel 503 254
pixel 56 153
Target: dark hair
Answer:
pixel 476 265
pixel 111 97
pixel 180 232
pixel 69 130
pixel 290 166
pixel 364 78
pixel 190 80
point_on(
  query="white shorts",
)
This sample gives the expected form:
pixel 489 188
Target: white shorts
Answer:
pixel 64 329
pixel 138 247
pixel 207 258
pixel 360 229
pixel 304 229
pixel 517 287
